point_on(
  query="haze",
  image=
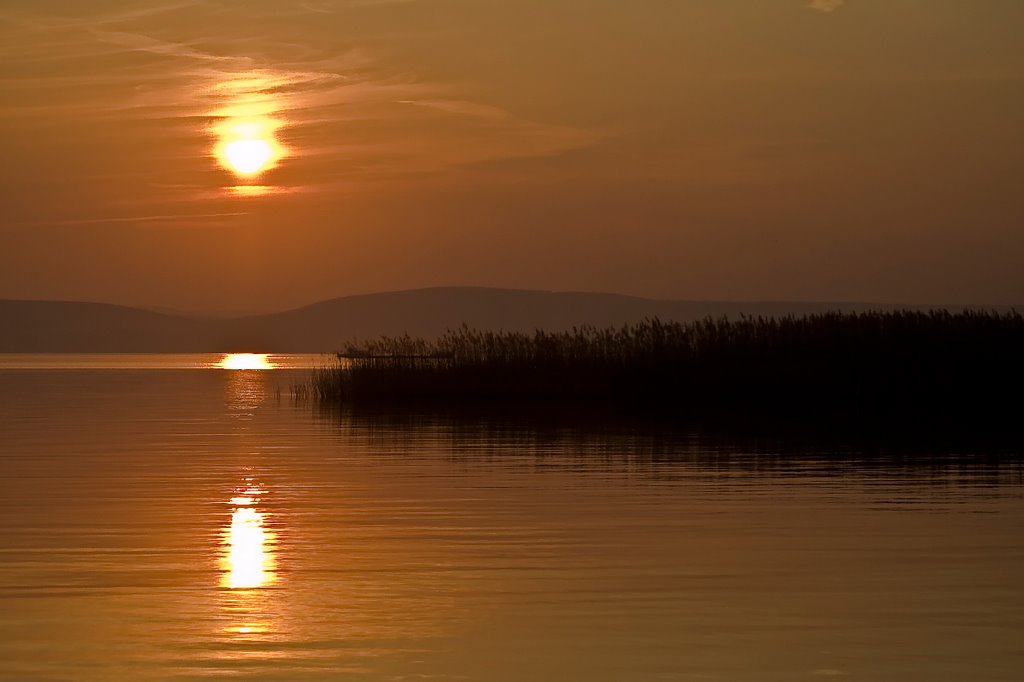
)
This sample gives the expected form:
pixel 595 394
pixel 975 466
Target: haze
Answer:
pixel 867 150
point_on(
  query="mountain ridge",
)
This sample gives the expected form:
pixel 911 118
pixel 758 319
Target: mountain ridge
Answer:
pixel 32 326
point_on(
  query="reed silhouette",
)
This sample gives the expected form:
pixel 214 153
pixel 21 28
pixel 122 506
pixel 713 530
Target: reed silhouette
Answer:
pixel 937 365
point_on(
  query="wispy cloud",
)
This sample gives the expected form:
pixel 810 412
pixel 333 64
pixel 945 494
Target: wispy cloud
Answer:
pixel 826 5
pixel 328 6
pixel 184 218
pixel 132 13
pixel 143 43
pixel 461 108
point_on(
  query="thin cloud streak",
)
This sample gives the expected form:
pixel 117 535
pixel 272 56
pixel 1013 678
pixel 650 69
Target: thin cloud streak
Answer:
pixel 137 219
pixel 826 6
pixel 142 43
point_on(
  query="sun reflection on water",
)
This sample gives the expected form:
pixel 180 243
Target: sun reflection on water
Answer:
pixel 248 556
pixel 246 361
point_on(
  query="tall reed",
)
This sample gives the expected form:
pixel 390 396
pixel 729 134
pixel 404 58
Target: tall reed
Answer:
pixel 893 362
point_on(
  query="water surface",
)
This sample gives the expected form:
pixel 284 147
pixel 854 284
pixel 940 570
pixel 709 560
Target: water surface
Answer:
pixel 165 519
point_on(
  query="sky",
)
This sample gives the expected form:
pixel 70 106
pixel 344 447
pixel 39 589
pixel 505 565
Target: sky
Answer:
pixel 810 150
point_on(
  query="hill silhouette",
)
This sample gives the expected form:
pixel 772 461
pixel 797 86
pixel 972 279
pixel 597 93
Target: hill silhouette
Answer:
pixel 72 327
pixel 62 326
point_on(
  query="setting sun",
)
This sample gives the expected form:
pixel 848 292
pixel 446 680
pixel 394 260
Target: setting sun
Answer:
pixel 248 156
pixel 248 147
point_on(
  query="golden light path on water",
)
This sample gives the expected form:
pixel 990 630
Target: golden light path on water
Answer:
pixel 248 560
pixel 246 361
pixel 250 614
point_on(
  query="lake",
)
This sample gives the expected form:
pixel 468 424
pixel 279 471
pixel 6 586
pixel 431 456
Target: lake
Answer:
pixel 163 518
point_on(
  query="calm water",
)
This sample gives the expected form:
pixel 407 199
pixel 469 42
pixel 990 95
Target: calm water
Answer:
pixel 163 523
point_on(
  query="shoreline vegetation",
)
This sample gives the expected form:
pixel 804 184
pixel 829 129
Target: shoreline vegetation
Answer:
pixel 922 366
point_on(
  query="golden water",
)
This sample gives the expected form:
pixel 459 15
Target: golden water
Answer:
pixel 181 524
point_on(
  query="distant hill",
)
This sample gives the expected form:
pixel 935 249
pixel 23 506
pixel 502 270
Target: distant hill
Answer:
pixel 430 312
pixel 45 326
pixel 71 327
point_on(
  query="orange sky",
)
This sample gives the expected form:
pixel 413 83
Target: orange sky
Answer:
pixel 701 149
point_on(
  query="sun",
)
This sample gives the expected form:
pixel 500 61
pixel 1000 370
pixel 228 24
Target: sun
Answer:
pixel 248 157
pixel 248 147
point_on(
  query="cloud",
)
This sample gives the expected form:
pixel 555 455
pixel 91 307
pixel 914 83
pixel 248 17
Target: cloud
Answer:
pixel 328 6
pixel 462 108
pixel 142 43
pixel 182 218
pixel 826 5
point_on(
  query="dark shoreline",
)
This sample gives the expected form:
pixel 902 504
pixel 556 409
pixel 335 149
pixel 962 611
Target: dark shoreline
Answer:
pixel 940 370
pixel 924 383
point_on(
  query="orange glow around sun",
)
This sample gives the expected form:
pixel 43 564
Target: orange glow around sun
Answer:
pixel 246 125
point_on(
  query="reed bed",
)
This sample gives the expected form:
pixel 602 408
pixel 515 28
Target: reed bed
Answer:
pixel 898 363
